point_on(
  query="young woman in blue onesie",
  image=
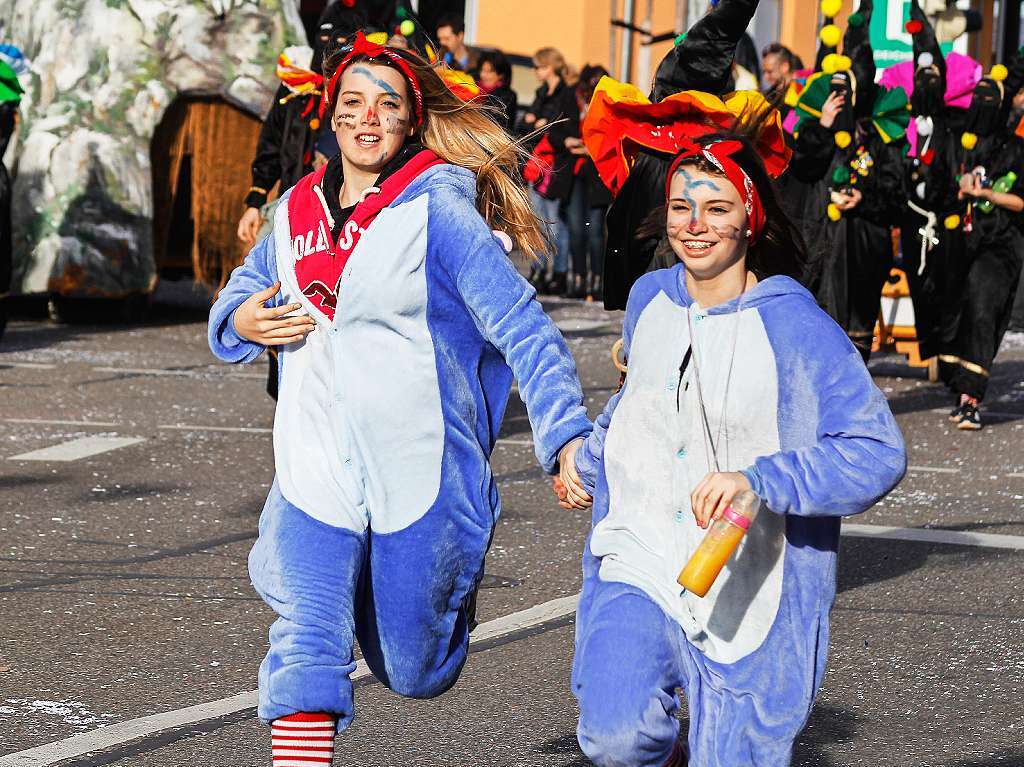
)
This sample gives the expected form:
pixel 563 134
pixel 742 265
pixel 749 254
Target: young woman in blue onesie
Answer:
pixel 401 323
pixel 736 381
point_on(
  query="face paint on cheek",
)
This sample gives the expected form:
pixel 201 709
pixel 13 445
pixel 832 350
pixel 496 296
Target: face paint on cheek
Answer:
pixel 346 120
pixel 395 125
pixel 726 231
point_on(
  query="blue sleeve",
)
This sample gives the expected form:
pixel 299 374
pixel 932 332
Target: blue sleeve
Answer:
pixel 589 456
pixel 858 455
pixel 258 272
pixel 504 306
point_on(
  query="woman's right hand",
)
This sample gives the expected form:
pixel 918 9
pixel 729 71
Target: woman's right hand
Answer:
pixel 831 108
pixel 249 226
pixel 269 326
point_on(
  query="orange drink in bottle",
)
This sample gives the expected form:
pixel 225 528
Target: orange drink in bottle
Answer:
pixel 719 543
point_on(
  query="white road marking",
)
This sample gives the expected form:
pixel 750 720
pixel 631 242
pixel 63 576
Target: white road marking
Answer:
pixel 933 469
pixel 921 535
pixel 51 422
pixel 236 429
pixel 117 734
pixel 514 441
pixel 29 365
pixel 580 325
pixel 1017 475
pixel 181 373
pixel 77 449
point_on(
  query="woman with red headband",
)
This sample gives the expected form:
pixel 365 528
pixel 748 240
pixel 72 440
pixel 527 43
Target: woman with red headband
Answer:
pixel 401 322
pixel 736 381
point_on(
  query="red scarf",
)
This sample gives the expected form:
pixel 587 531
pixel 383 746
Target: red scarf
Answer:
pixel 319 261
pixel 719 154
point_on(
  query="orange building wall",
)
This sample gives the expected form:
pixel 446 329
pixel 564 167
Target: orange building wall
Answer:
pixel 580 29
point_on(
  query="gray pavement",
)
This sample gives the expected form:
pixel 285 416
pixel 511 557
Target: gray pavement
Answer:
pixel 123 588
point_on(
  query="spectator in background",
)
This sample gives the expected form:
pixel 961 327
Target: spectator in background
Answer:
pixel 555 109
pixel 779 66
pixel 588 203
pixel 494 76
pixel 451 34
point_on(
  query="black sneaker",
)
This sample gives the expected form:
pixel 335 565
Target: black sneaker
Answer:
pixel 970 420
pixel 957 413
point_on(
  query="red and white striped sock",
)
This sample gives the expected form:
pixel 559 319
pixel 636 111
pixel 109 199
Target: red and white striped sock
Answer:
pixel 303 740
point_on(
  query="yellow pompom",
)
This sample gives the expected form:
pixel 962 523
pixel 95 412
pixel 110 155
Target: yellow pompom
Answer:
pixel 844 63
pixel 952 222
pixel 999 73
pixel 968 140
pixel 314 124
pixel 834 214
pixel 377 38
pixel 829 64
pixel 830 35
pixel 843 139
pixel 407 28
pixel 831 8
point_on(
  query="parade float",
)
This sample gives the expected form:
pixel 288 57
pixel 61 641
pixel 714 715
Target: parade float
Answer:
pixel 138 125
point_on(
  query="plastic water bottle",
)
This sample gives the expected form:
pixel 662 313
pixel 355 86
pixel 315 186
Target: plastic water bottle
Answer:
pixel 1002 185
pixel 719 543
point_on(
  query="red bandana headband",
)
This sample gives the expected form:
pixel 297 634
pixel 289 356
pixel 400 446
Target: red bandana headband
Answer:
pixel 363 47
pixel 719 154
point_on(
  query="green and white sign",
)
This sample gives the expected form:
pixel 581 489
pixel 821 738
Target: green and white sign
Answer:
pixel 889 38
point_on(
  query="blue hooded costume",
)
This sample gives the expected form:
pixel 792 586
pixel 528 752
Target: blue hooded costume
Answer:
pixel 800 416
pixel 384 503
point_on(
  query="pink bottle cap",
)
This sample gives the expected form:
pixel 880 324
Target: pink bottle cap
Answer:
pixel 737 519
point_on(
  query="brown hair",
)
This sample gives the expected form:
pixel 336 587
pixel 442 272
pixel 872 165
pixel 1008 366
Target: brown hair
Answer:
pixel 466 134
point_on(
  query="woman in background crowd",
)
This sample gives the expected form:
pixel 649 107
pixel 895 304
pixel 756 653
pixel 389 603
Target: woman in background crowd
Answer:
pixel 588 203
pixel 495 80
pixel 554 108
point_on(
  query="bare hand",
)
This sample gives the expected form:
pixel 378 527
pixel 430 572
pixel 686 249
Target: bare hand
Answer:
pixel 269 326
pixel 529 118
pixel 849 200
pixel 712 496
pixel 831 108
pixel 970 186
pixel 572 142
pixel 249 226
pixel 576 496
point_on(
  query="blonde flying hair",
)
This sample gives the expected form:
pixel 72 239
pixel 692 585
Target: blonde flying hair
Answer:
pixel 464 134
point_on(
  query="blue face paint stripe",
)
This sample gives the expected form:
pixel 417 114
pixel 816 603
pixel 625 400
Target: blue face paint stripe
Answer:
pixel 689 184
pixel 384 86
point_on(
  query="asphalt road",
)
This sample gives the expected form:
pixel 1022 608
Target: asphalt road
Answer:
pixel 124 593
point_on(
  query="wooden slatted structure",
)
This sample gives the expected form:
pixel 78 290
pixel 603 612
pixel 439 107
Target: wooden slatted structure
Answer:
pixel 201 158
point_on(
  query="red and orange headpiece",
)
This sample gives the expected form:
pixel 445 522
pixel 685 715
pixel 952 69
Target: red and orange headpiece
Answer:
pixel 621 122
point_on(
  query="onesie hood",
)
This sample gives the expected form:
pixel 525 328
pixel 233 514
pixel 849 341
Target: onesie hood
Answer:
pixel 771 289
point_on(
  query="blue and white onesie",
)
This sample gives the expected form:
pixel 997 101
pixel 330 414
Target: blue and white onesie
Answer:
pixel 384 502
pixel 817 441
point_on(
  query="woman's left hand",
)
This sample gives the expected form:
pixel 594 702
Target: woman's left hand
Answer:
pixel 576 496
pixel 712 496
